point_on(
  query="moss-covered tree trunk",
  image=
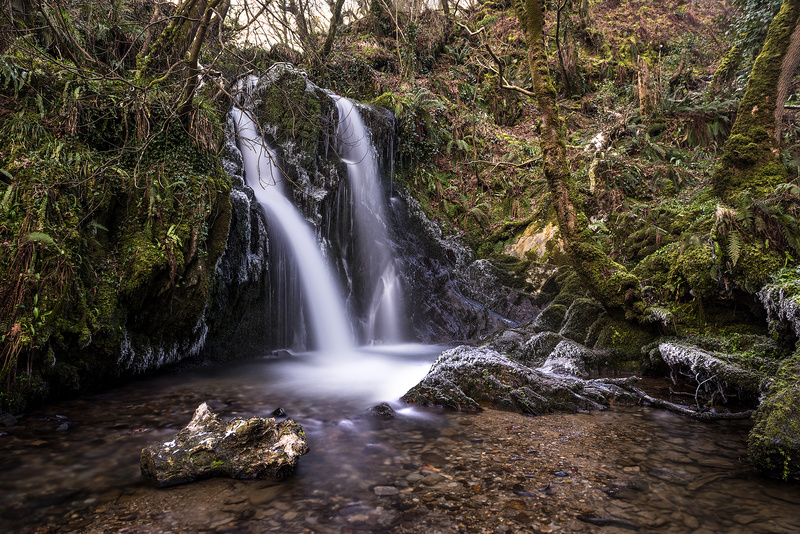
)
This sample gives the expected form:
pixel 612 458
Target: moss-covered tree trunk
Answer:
pixel 751 158
pixel 607 279
pixel 193 61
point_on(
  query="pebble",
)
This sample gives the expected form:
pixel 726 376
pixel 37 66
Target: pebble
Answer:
pixel 385 490
pixel 413 478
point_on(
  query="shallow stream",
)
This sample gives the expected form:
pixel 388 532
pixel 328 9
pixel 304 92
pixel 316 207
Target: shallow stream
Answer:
pixel 74 466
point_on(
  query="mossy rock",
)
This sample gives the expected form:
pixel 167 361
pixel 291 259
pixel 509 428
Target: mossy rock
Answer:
pixel 507 342
pixel 570 358
pixel 755 266
pixel 294 108
pixel 676 271
pixel 622 341
pixel 468 378
pixel 581 315
pixel 774 441
pixel 537 348
pixel 550 318
pixel 570 287
pixel 241 448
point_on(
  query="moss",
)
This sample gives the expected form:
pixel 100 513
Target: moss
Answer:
pixel 580 317
pixel 622 342
pixel 552 317
pixel 385 100
pixel 295 109
pixel 676 271
pixel 774 442
pixel 695 266
pixel 117 229
pixel 570 287
pixel 755 266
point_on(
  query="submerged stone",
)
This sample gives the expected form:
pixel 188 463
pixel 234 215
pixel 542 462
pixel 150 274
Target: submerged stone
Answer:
pixel 382 410
pixel 241 448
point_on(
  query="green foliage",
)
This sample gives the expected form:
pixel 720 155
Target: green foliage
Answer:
pixel 419 115
pixel 105 195
pixel 758 237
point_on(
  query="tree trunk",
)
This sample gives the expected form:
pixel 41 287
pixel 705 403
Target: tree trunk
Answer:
pixel 607 279
pixel 751 158
pixel 192 79
pixel 727 68
pixel 298 10
pixel 335 17
pixel 646 103
pixel 177 31
pixel 584 15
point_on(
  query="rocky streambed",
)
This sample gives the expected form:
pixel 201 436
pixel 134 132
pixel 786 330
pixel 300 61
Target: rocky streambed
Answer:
pixel 75 466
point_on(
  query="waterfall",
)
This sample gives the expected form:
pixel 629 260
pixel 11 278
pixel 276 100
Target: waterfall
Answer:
pixel 326 311
pixel 368 206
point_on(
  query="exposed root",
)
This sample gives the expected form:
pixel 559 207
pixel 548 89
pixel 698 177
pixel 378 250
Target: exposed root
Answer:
pixel 627 385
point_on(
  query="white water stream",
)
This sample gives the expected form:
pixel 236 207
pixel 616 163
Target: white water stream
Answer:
pixel 355 148
pixel 324 304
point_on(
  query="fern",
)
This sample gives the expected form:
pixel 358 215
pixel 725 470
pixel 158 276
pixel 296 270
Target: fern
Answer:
pixel 40 237
pixel 734 247
pixel 480 216
pixel 788 189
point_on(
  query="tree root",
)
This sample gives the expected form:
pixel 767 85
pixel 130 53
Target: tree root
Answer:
pixel 627 385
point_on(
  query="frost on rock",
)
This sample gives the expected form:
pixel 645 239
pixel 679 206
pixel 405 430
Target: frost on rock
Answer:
pixel 710 369
pixel 145 354
pixel 568 358
pixel 782 302
pixel 538 348
pixel 466 378
pixel 242 448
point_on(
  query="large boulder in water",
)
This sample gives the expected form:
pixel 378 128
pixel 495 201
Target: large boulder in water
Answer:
pixel 466 378
pixel 774 442
pixel 242 448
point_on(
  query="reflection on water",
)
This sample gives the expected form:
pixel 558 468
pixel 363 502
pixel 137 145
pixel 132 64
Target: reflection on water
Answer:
pixel 74 465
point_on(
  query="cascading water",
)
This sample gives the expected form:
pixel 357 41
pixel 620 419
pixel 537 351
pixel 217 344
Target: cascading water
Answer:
pixel 374 255
pixel 327 313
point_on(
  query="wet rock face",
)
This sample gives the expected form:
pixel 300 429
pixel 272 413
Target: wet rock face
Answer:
pixel 451 300
pixel 241 448
pixel 465 378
